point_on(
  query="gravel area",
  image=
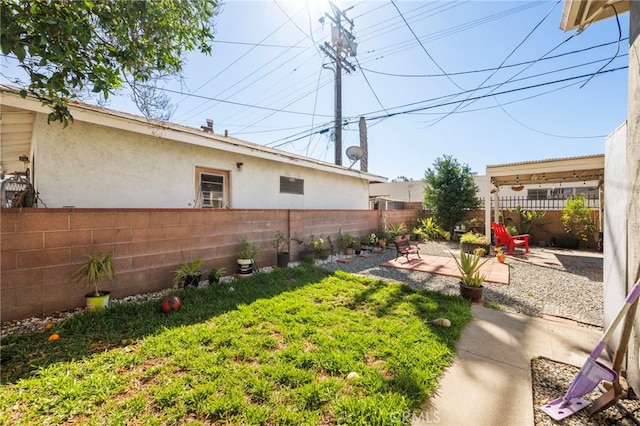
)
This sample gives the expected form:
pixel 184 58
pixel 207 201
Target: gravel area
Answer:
pixel 551 379
pixel 533 290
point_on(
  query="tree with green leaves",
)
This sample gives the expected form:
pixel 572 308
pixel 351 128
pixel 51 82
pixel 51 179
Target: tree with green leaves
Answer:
pixel 67 47
pixel 449 190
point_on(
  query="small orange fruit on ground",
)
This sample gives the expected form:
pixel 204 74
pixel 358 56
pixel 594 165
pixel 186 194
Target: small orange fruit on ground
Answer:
pixel 54 337
pixel 48 326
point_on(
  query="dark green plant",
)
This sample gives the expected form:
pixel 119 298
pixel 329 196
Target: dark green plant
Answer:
pixel 383 235
pixel 449 191
pixel 576 218
pixel 247 250
pixel 527 217
pixel 98 46
pixel 215 274
pixel 187 270
pixel 347 240
pixel 281 244
pixel 469 266
pixel 98 267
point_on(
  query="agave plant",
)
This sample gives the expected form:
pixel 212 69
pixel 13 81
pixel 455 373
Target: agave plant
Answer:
pixel 397 230
pixel 469 266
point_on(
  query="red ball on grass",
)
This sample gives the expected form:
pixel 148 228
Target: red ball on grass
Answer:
pixel 170 303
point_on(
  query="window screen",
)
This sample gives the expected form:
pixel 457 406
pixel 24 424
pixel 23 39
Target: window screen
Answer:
pixel 212 190
pixel 289 185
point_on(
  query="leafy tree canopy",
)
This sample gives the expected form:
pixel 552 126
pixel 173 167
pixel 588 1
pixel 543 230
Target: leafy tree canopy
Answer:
pixel 401 179
pixel 68 46
pixel 449 191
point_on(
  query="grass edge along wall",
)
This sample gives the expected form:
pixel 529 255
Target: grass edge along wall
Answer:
pixel 41 248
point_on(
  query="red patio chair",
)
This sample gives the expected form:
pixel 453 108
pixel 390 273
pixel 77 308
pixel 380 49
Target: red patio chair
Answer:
pixel 503 238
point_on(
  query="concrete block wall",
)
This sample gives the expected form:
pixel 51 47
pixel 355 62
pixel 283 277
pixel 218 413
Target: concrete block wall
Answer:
pixel 41 248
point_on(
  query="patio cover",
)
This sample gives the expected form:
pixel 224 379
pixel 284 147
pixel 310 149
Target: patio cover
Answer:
pixel 555 170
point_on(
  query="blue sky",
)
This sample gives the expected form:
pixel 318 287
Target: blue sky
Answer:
pixel 265 82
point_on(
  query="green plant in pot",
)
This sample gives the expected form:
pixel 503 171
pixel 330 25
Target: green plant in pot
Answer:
pixel 282 247
pixel 322 248
pixel 347 243
pixel 357 245
pixel 470 241
pixel 96 268
pixel 470 278
pixel 246 254
pixel 577 220
pixel 215 274
pixel 397 230
pixel 188 274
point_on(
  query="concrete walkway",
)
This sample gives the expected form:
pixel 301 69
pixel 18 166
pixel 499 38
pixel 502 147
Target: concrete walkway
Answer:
pixel 489 382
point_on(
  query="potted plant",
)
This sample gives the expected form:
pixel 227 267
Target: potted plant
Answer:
pixel 470 279
pixel 246 257
pixel 577 221
pixel 188 274
pixel 322 248
pixel 347 242
pixel 500 255
pixel 383 236
pixel 397 230
pixel 357 245
pixel 215 274
pixel 95 269
pixel 471 241
pixel 281 245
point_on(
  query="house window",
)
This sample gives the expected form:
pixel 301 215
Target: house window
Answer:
pixel 211 188
pixel 561 193
pixel 289 185
pixel 589 191
pixel 537 194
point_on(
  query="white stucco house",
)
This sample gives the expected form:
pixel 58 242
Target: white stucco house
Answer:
pixel 110 159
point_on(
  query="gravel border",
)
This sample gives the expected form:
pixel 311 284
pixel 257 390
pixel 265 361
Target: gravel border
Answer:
pixel 533 290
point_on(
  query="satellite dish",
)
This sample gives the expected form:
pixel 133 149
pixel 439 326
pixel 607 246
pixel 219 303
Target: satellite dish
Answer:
pixel 354 153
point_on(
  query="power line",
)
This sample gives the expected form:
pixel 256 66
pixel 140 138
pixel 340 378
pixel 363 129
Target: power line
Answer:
pixel 509 55
pixel 495 68
pixel 235 103
pixel 410 111
pixel 424 49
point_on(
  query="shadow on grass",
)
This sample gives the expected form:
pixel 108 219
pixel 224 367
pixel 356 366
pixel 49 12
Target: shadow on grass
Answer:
pixel 123 324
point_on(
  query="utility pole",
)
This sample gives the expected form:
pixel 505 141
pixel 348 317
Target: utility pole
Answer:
pixel 342 45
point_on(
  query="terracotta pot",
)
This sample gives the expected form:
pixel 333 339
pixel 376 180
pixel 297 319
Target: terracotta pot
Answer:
pixel 474 294
pixel 501 257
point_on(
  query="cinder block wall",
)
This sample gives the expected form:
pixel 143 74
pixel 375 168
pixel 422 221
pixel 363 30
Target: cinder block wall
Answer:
pixel 41 248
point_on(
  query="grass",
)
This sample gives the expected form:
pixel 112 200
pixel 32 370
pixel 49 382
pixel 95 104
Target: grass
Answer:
pixel 276 350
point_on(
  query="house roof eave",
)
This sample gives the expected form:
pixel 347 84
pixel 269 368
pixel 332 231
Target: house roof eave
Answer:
pixel 110 118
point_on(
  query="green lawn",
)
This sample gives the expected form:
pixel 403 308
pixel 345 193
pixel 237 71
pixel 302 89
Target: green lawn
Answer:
pixel 276 350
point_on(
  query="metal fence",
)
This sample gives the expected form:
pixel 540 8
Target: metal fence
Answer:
pixel 540 204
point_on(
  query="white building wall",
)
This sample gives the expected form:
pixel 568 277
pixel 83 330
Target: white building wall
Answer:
pixel 91 166
pixel 400 191
pixel 411 191
pixel 615 227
